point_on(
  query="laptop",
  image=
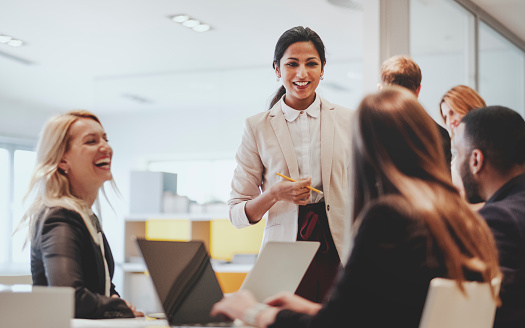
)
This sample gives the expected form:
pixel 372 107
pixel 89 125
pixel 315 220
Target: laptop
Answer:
pixel 280 267
pixel 188 288
pixel 36 306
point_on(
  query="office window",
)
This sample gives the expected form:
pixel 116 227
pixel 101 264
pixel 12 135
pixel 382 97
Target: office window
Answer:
pixel 4 203
pixel 439 30
pixel 16 166
pixel 24 163
pixel 204 181
pixel 501 70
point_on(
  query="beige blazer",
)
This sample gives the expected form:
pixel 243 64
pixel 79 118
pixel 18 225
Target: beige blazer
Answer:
pixel 266 149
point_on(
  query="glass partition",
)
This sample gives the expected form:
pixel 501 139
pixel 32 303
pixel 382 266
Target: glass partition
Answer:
pixel 24 162
pixel 4 203
pixel 501 70
pixel 439 32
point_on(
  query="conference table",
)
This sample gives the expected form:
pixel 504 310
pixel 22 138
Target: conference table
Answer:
pixel 130 323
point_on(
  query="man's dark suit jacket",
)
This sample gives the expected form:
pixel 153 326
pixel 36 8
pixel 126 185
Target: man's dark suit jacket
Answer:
pixel 505 215
pixel 63 253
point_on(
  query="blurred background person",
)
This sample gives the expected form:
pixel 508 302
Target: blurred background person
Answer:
pixel 403 71
pixel 456 103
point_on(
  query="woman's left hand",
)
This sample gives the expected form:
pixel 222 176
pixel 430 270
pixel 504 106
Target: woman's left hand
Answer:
pixel 131 307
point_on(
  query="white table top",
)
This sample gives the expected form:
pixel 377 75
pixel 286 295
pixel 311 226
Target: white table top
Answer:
pixel 128 323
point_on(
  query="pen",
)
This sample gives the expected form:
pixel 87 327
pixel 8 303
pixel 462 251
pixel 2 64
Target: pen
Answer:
pixel 290 179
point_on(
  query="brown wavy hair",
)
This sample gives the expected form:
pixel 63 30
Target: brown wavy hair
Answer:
pixel 397 151
pixel 461 99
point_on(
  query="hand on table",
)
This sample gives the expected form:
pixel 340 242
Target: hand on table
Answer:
pixel 131 307
pixel 289 301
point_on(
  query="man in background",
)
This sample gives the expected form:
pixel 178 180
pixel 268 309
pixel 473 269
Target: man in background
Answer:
pixel 403 71
pixel 490 146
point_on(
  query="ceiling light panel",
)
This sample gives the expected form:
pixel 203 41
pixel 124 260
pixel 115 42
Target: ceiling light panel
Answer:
pixel 10 41
pixel 191 23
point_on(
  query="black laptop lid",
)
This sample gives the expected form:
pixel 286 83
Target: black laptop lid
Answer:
pixel 184 279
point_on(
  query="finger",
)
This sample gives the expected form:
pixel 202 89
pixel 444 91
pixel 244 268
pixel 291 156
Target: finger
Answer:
pixel 215 310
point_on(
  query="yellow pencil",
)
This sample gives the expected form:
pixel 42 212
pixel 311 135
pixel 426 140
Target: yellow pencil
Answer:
pixel 290 179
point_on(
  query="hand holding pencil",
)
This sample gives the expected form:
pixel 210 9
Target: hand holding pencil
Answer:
pixel 292 180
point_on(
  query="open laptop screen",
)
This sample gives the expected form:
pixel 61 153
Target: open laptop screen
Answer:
pixel 184 279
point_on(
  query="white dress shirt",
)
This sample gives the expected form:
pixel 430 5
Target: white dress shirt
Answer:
pixel 305 130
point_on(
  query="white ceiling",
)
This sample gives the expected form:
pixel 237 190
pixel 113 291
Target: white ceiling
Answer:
pixel 103 55
pixel 98 53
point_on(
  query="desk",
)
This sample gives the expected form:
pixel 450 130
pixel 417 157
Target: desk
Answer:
pixel 128 323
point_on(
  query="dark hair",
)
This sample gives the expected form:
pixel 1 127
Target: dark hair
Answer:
pixel 499 133
pixel 291 36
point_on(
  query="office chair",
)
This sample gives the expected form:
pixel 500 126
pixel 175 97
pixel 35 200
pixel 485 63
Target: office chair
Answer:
pixel 446 306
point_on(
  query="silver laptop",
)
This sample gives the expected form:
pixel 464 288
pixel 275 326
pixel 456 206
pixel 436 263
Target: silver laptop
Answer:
pixel 188 288
pixel 36 306
pixel 280 267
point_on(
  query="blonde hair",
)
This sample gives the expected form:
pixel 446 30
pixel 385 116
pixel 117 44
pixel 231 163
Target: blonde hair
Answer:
pixel 461 99
pixel 402 71
pixel 397 151
pixel 49 183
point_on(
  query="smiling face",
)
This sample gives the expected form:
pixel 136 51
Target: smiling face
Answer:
pixel 88 159
pixel 451 117
pixel 301 70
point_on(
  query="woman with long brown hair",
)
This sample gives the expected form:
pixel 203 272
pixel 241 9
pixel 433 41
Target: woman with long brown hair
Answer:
pixel 411 226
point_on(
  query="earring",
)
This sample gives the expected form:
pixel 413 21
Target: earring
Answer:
pixel 278 79
pixel 322 77
pixel 66 171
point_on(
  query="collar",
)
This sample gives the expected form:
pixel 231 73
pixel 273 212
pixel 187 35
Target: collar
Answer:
pixel 507 188
pixel 291 114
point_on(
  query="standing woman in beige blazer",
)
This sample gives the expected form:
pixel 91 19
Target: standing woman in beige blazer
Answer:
pixel 306 138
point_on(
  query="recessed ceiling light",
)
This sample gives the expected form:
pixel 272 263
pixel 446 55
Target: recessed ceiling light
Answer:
pixel 5 38
pixel 15 43
pixel 202 28
pixel 180 18
pixel 191 23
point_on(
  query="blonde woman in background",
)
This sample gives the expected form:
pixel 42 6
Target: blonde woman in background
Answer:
pixel 68 246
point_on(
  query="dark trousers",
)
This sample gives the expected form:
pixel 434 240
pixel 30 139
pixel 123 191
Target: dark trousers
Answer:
pixel 313 226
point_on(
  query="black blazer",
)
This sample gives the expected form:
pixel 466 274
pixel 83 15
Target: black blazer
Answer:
pixel 386 279
pixel 63 253
pixel 505 215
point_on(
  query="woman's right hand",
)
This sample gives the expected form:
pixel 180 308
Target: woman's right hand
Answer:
pixel 294 192
pixel 289 301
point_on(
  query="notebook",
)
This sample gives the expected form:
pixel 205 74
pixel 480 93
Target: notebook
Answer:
pixel 188 288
